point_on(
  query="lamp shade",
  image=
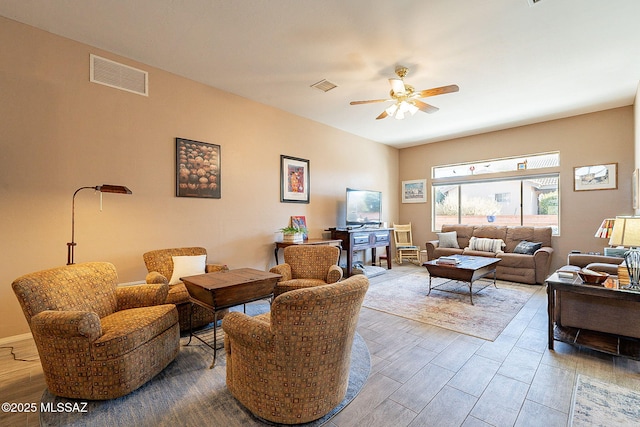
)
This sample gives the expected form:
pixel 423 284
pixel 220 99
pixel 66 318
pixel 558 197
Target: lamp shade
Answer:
pixel 626 231
pixel 606 228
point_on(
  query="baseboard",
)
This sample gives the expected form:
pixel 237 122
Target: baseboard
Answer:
pixel 15 338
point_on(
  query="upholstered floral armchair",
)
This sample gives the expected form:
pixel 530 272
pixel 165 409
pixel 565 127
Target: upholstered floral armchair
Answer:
pixel 97 341
pixel 164 268
pixel 307 265
pixel 291 365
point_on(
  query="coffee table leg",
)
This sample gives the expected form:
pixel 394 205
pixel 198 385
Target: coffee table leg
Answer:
pixel 471 292
pixel 429 285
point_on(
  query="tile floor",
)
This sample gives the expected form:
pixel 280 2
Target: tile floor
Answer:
pixel 423 375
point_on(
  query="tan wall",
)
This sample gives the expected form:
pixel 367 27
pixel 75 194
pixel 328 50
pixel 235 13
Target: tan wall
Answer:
pixel 60 132
pixel 589 139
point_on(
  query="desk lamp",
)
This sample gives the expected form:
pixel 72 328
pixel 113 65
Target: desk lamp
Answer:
pixel 626 232
pixel 104 188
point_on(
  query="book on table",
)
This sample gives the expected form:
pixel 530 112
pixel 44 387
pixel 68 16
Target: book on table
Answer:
pixel 449 260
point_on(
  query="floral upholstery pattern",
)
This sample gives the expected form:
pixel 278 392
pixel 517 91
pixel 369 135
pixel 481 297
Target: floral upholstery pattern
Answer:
pixel 160 267
pixel 97 341
pixel 291 365
pixel 307 265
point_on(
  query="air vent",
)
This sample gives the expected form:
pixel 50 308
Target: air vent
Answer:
pixel 324 85
pixel 119 76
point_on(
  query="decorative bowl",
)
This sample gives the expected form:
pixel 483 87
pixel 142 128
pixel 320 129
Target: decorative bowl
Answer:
pixel 593 278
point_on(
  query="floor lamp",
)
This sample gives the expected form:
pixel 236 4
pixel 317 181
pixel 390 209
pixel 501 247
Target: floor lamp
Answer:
pixel 105 188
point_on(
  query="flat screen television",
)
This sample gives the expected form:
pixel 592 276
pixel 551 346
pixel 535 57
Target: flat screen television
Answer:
pixel 364 207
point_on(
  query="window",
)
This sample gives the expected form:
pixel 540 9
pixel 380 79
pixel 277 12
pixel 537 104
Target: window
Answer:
pixel 515 196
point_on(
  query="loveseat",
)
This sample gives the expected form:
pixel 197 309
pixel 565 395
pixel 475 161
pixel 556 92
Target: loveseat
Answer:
pixel 525 252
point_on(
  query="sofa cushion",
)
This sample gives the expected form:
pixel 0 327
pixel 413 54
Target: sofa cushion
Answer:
pixel 527 248
pixel 517 261
pixel 448 240
pixel 486 244
pixel 126 330
pixel 491 231
pixel 517 234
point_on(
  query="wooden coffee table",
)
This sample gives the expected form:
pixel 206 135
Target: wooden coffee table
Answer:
pixel 224 289
pixel 470 269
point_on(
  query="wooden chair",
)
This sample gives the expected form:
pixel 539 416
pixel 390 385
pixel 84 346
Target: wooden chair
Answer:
pixel 404 243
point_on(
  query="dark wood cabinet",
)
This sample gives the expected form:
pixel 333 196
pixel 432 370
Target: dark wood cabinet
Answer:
pixel 362 239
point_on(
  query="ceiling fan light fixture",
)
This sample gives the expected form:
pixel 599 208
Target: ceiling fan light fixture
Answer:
pixel 391 110
pixel 399 114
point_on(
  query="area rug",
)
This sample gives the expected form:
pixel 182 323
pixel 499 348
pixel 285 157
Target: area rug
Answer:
pixel 406 296
pixel 596 403
pixel 188 393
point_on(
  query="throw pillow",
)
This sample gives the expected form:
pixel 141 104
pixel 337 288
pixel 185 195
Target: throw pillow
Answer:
pixel 187 266
pixel 486 245
pixel 448 240
pixel 527 248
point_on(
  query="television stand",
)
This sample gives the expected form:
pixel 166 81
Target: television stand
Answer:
pixel 358 239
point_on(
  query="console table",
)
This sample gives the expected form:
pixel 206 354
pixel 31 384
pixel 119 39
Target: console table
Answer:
pixel 282 245
pixel 611 343
pixel 361 239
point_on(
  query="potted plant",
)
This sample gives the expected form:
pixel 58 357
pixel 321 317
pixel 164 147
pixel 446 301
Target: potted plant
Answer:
pixel 293 234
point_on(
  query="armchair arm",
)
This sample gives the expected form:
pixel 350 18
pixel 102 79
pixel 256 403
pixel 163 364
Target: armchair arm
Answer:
pixel 284 270
pixel 67 324
pixel 334 275
pixel 247 331
pixel 211 268
pixel 431 246
pixel 141 295
pixel 154 278
pixel 542 262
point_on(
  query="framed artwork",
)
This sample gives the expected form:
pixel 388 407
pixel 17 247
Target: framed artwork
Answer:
pixel 294 180
pixel 414 191
pixel 595 177
pixel 300 222
pixel 635 186
pixel 522 166
pixel 197 169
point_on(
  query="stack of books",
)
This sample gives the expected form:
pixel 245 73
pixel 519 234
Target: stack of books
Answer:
pixel 448 260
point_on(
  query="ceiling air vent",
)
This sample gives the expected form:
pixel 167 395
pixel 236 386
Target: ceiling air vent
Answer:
pixel 324 85
pixel 119 76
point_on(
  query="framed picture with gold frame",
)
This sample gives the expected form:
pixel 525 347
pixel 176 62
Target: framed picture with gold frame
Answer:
pixel 197 169
pixel 596 177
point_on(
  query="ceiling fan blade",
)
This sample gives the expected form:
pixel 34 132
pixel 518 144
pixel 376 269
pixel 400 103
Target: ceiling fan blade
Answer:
pixel 423 106
pixel 397 86
pixel 382 115
pixel 438 91
pixel 371 101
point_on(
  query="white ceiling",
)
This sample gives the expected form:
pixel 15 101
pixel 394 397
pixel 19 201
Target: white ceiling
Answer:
pixel 515 63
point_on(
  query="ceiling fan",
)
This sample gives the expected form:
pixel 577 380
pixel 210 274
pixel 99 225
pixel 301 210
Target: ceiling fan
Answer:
pixel 406 99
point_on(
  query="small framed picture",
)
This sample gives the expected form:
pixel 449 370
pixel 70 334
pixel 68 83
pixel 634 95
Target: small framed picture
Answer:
pixel 414 191
pixel 294 180
pixel 300 222
pixel 595 177
pixel 522 166
pixel 197 169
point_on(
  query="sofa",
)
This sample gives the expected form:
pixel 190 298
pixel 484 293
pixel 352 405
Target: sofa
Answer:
pixel 525 252
pixel 97 340
pixel 590 312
